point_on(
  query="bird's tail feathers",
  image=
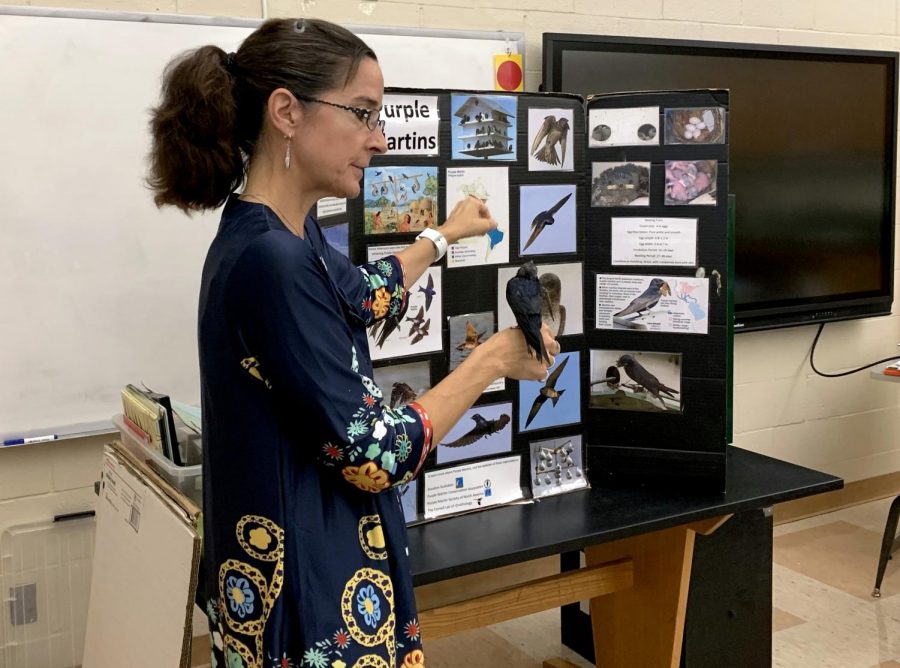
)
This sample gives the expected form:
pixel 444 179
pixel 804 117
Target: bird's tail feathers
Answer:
pixel 557 397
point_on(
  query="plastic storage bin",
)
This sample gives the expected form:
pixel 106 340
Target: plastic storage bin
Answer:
pixel 187 479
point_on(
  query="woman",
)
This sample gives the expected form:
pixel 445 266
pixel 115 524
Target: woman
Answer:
pixel 304 539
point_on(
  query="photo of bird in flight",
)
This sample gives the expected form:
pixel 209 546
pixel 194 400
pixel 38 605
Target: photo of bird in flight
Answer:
pixel 553 133
pixel 548 391
pixel 483 427
pixel 421 332
pixel 544 219
pixel 646 300
pixel 473 338
pixel 429 291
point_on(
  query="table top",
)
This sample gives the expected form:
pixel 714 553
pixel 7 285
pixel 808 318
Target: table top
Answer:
pixel 487 539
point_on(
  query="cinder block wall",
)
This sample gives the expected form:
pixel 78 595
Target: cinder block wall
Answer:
pixel 846 426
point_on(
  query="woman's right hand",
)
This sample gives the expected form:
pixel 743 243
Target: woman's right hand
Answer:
pixel 507 349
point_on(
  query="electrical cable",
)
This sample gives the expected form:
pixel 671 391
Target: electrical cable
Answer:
pixel 812 363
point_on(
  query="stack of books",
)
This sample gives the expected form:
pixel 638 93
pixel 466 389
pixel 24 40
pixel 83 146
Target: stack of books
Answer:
pixel 150 415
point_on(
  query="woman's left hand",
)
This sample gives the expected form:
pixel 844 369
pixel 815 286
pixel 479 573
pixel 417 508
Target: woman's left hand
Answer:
pixel 469 218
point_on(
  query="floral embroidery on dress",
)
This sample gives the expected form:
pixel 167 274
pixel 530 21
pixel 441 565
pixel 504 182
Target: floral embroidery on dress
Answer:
pixel 412 630
pixel 240 597
pixel 381 303
pixel 250 594
pixel 251 365
pixel 415 659
pixel 368 605
pixel 367 477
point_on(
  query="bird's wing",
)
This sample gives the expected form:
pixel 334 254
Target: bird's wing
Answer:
pixel 563 137
pixel 536 230
pixel 542 132
pixel 480 431
pixel 558 205
pixel 551 380
pixel 535 407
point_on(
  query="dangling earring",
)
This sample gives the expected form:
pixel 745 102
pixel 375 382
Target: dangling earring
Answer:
pixel 287 152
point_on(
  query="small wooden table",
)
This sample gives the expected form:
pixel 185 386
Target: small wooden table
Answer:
pixel 638 547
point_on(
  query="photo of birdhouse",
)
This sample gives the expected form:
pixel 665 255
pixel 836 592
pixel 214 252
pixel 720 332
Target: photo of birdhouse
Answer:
pixel 482 430
pixel 399 199
pixel 547 219
pixel 550 140
pixel 635 381
pixel 555 400
pixel 561 307
pixel 556 466
pixel 483 126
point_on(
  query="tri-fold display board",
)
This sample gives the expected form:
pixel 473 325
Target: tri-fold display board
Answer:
pixel 621 202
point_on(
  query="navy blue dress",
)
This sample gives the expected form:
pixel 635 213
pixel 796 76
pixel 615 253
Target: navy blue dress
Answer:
pixel 304 539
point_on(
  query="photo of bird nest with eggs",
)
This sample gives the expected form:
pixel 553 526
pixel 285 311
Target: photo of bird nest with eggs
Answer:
pixel 636 381
pixel 697 125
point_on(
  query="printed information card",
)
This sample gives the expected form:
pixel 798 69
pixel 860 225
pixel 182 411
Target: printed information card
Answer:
pixel 472 486
pixel 654 303
pixel 654 241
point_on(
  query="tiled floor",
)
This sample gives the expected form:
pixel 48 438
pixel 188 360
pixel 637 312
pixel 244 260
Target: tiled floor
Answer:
pixel 824 615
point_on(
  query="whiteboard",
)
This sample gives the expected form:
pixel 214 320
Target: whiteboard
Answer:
pixel 97 287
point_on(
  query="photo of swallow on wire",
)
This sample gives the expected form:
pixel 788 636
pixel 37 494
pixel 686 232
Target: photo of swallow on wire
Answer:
pixel 636 381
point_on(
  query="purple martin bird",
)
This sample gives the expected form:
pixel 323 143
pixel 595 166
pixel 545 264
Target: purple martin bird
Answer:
pixel 647 299
pixel 481 429
pixel 645 379
pixel 383 329
pixel 552 132
pixel 421 332
pixel 401 394
pixel 429 291
pixel 548 391
pixel 416 322
pixel 543 219
pixel 524 295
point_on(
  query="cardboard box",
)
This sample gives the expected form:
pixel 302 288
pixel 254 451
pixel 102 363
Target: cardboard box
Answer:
pixel 146 559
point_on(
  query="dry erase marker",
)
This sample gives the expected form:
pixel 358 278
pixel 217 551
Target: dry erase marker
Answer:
pixel 31 439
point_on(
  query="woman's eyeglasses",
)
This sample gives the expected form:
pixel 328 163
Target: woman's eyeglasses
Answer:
pixel 368 116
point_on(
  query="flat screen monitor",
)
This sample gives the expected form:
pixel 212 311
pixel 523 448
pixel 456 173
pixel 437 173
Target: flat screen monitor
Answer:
pixel 812 136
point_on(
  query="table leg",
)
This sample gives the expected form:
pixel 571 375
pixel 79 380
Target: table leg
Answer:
pixel 644 626
pixel 887 544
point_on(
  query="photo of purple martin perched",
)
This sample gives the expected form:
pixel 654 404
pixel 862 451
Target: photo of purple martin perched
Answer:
pixel 647 299
pixel 524 295
pixel 645 379
pixel 543 219
pixel 548 391
pixel 481 429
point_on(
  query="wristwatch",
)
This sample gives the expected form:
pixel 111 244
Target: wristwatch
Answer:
pixel 438 239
